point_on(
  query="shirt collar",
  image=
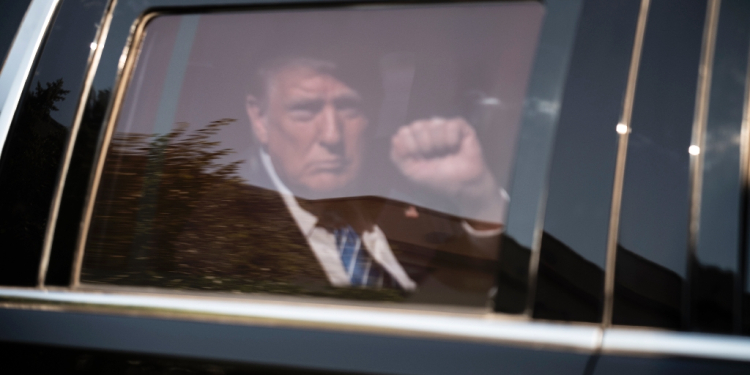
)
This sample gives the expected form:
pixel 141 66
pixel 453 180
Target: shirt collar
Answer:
pixel 305 220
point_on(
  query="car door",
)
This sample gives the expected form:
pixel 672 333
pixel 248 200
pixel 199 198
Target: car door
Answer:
pixel 601 266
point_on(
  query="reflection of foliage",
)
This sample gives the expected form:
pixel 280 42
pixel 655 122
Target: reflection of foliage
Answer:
pixel 47 136
pixel 31 159
pixel 148 187
pixel 170 214
pixel 76 187
pixel 43 99
pixel 179 170
pixel 93 118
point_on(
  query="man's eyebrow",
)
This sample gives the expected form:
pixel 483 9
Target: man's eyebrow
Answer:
pixel 348 98
pixel 304 102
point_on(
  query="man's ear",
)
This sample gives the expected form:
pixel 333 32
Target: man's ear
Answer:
pixel 257 118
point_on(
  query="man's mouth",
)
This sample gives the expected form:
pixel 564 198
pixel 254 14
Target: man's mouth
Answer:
pixel 330 166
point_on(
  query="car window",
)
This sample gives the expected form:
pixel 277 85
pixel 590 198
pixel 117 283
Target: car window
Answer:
pixel 37 139
pixel 653 231
pixel 302 152
pixel 716 260
pixel 570 283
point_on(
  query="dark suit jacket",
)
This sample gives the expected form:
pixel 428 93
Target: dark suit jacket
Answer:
pixel 246 235
pixel 186 221
pixel 241 238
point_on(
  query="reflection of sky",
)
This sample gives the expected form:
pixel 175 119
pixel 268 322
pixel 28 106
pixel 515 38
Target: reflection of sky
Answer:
pixel 654 217
pixel 583 161
pixel 655 204
pixel 537 132
pixel 720 223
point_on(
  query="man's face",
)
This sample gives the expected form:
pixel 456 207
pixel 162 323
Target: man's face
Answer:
pixel 312 128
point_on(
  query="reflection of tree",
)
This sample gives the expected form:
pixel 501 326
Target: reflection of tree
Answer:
pixel 178 172
pixel 149 187
pixel 30 163
pixel 43 99
pixel 76 187
pixel 169 213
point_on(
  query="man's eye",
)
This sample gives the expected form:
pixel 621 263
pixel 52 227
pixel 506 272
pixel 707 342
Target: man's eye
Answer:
pixel 350 112
pixel 305 111
pixel 348 108
pixel 302 114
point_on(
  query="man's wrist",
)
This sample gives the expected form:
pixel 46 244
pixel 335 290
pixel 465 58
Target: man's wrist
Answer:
pixel 481 228
pixel 482 200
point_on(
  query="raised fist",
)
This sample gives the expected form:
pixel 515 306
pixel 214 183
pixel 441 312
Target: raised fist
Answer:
pixel 441 154
pixel 445 156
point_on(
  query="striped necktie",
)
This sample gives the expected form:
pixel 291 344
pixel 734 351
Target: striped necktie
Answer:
pixel 360 267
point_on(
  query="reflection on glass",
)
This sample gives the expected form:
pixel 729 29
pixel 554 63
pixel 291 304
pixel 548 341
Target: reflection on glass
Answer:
pixel 34 149
pixel 716 267
pixel 27 181
pixel 653 234
pixel 329 160
pixel 572 255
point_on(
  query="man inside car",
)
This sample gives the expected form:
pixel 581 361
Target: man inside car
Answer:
pixel 312 131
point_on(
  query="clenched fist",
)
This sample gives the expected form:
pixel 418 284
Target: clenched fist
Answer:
pixel 445 156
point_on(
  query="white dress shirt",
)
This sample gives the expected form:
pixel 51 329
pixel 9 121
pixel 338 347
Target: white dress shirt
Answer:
pixel 323 242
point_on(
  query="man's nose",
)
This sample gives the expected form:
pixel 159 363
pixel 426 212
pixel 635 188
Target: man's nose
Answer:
pixel 330 127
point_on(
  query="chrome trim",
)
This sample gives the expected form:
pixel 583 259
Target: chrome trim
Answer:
pixel 535 257
pixel 501 329
pixel 536 254
pixel 549 104
pixel 20 60
pixel 745 201
pixel 93 62
pixel 127 62
pixel 622 151
pixel 702 345
pixel 484 327
pixel 700 119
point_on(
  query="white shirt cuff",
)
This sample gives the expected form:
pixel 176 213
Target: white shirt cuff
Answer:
pixel 480 232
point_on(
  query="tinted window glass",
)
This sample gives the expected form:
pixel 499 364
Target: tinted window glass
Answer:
pixel 516 276
pixel 38 136
pixel 571 268
pixel 715 274
pixel 653 234
pixel 345 153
